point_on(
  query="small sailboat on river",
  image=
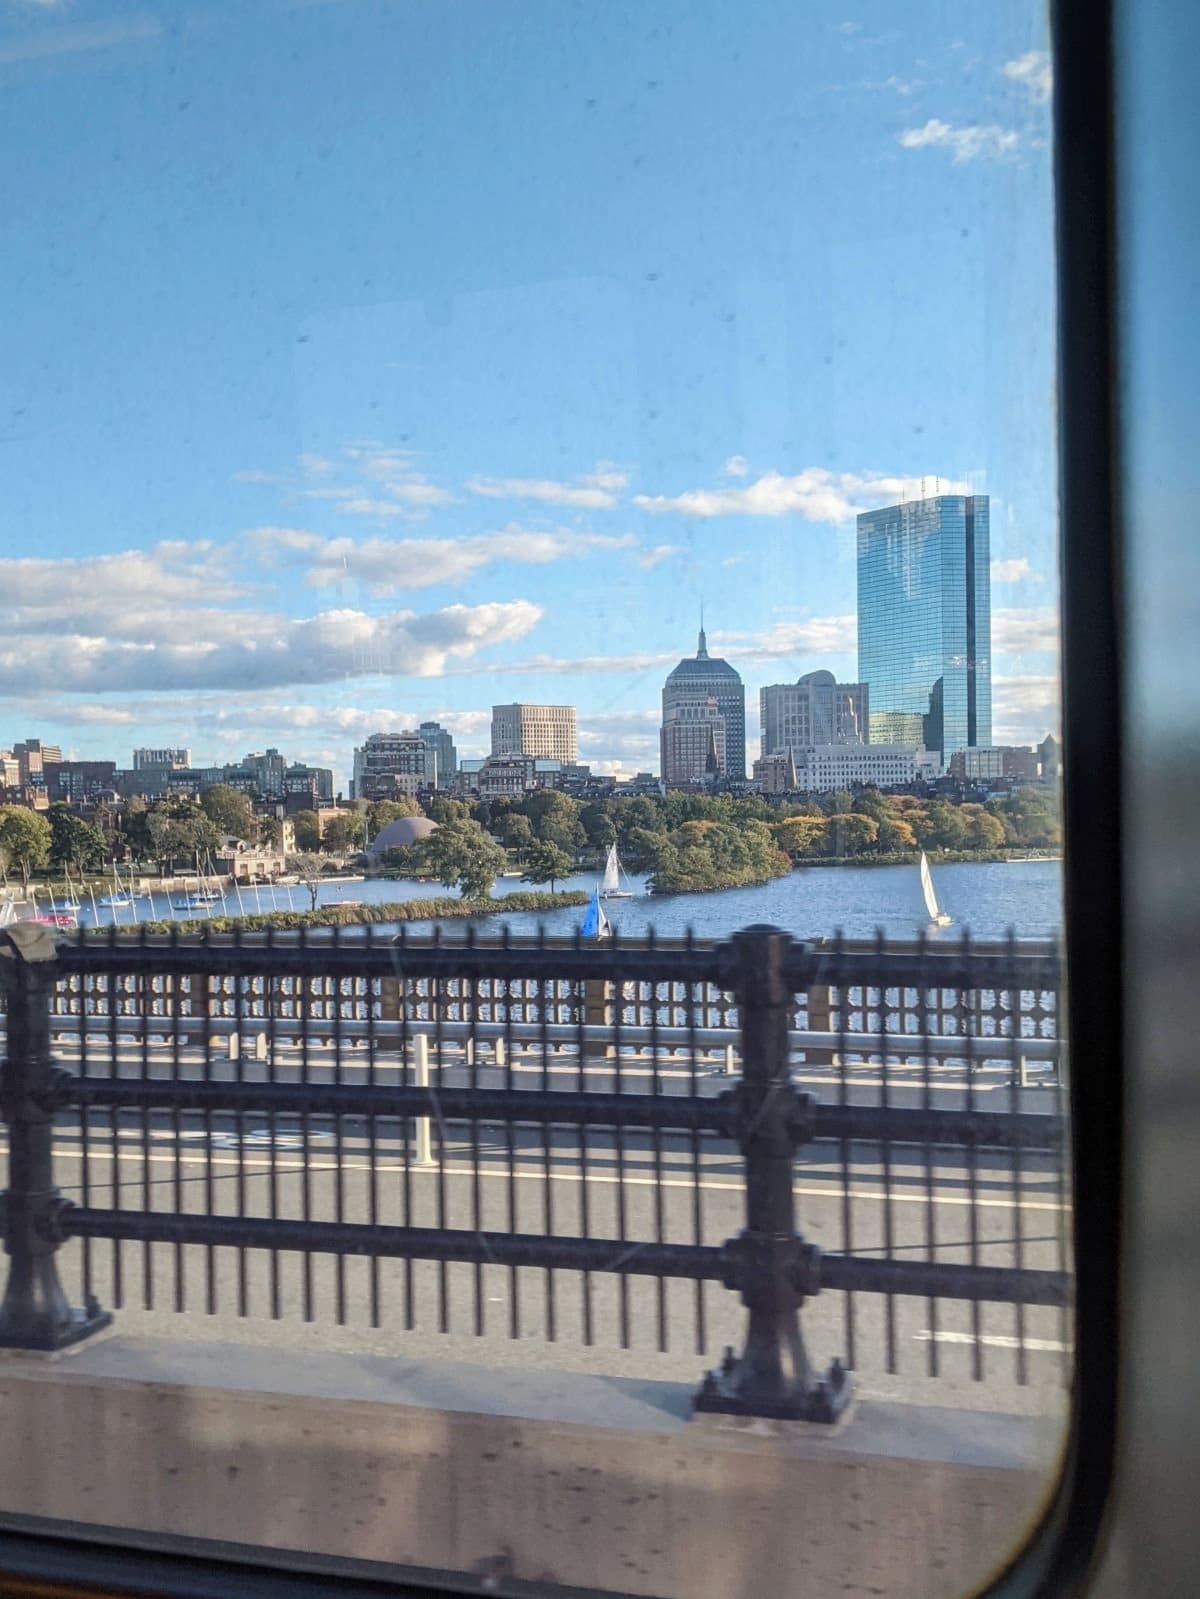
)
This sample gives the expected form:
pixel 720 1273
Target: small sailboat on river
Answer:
pixel 596 924
pixel 614 876
pixel 937 915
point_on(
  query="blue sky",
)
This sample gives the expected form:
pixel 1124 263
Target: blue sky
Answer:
pixel 370 361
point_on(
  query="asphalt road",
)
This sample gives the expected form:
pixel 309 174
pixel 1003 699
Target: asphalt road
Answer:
pixel 608 1325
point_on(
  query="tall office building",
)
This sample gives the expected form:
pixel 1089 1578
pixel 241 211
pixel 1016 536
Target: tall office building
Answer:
pixel 816 710
pixel 924 622
pixel 388 765
pixel 692 743
pixel 700 677
pixel 441 741
pixel 546 731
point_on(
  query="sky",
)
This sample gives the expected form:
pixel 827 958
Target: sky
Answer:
pixel 371 361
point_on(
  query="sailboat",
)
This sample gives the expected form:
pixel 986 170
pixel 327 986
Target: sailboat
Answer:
pixel 610 887
pixel 937 915
pixel 596 924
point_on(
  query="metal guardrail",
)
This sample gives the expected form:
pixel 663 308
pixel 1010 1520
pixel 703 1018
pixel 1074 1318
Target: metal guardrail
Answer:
pixel 398 1161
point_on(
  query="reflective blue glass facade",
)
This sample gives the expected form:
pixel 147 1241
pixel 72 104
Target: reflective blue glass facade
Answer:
pixel 925 622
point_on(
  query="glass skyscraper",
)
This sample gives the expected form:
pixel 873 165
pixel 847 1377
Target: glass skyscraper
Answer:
pixel 925 622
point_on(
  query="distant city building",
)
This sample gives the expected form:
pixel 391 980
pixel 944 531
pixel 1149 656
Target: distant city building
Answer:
pixel 641 783
pixel 693 748
pixel 1013 763
pixel 171 759
pixel 824 768
pixel 776 774
pixel 267 771
pixel 83 782
pixel 441 741
pixel 815 710
pixel 33 757
pixel 924 622
pixel 512 775
pixel 1050 758
pixel 694 681
pixel 390 765
pixel 306 788
pixel 549 731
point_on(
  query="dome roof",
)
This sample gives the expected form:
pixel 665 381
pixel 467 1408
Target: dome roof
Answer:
pixel 401 834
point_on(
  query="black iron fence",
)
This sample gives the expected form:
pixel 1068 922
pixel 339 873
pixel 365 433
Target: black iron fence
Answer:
pixel 603 1141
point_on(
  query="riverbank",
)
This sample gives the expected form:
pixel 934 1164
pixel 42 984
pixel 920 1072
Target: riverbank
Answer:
pixel 386 912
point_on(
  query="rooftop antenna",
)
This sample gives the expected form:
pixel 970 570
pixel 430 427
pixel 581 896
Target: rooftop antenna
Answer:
pixel 702 642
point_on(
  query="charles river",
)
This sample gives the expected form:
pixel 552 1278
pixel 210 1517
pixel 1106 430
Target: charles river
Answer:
pixel 986 899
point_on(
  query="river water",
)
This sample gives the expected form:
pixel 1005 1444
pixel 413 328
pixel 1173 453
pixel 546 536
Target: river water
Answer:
pixel 985 898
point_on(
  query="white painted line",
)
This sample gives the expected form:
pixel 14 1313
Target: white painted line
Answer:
pixel 1049 1346
pixel 630 1181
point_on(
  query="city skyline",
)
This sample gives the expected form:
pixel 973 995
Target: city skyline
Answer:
pixel 347 467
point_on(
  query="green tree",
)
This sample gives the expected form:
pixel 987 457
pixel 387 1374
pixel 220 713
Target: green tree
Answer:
pixel 74 842
pixel 462 855
pixel 134 828
pixel 801 835
pixel 839 803
pixel 597 825
pixel 381 812
pixel 230 811
pixel 938 826
pixel 546 863
pixel 516 832
pixel 343 833
pixel 270 830
pixel 307 832
pixel 640 811
pixel 896 834
pixel 875 805
pixel 984 831
pixel 442 810
pixel 25 838
pixel 181 831
pixel 852 834
pixel 555 819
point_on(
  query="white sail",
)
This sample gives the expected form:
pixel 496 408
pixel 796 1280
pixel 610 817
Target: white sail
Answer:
pixel 927 889
pixel 612 872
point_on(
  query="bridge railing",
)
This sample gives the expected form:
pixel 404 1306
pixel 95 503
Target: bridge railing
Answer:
pixel 778 1144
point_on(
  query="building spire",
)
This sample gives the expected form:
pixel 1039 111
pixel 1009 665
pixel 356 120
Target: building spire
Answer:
pixel 702 642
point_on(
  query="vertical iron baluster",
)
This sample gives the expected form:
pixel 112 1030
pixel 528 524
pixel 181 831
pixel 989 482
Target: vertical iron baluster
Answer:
pixel 1063 1192
pixel 207 985
pixel 842 991
pixel 143 989
pixel 273 991
pixel 581 1080
pixel 369 990
pixel 547 1134
pixel 889 1241
pixel 660 1282
pixel 1016 1157
pixel 408 1125
pixel 514 1276
pixel 967 1012
pixel 439 998
pixel 334 987
pixel 172 1013
pixel 933 1357
pixel 695 998
pixel 114 1133
pixel 87 991
pixel 305 982
pixel 239 1073
pixel 470 997
pixel 619 1140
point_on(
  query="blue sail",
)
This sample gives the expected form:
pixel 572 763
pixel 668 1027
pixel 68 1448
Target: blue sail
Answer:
pixel 595 923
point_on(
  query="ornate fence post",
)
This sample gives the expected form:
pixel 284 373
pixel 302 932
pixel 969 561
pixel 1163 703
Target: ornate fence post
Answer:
pixel 34 1313
pixel 769 1262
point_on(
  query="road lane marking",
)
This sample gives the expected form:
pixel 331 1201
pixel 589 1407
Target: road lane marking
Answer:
pixel 812 1191
pixel 1050 1346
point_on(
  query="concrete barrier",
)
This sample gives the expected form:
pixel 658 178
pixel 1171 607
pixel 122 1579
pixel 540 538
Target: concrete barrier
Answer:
pixel 535 1475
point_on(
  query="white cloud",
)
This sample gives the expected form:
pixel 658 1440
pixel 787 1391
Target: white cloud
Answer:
pixel 1025 709
pixel 597 491
pixel 1017 570
pixel 970 143
pixel 130 586
pixel 1019 630
pixel 328 647
pixel 315 465
pixel 736 466
pixel 390 566
pixel 1033 72
pixel 649 559
pixel 816 495
pixel 813 637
